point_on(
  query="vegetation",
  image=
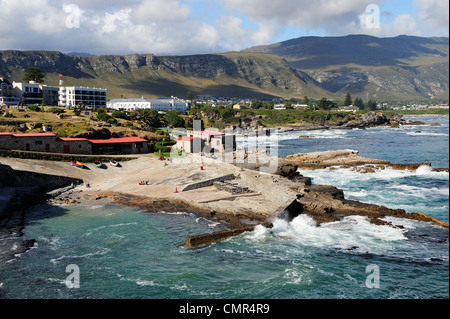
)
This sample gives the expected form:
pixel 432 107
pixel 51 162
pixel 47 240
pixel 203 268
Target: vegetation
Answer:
pixel 105 117
pixel 174 119
pixel 348 99
pixel 325 104
pixel 34 74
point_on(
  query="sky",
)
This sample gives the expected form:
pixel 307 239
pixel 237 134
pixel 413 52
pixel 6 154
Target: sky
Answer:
pixel 176 27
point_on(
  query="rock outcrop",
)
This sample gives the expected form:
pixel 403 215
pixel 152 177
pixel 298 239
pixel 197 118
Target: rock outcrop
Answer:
pixel 348 159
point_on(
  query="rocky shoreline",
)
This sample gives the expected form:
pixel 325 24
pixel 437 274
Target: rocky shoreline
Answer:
pixel 285 193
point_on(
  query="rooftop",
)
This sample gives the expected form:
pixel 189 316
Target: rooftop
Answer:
pixel 185 138
pixel 131 139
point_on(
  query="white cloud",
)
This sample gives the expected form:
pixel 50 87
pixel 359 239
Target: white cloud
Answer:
pixel 327 15
pixel 341 17
pixel 180 27
pixel 435 12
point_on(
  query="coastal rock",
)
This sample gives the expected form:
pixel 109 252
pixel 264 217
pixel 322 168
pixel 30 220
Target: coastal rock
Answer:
pixel 373 118
pixel 286 169
pixel 440 170
pixel 317 160
pixel 411 122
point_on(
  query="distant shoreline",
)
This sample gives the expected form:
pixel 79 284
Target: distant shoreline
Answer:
pixel 426 115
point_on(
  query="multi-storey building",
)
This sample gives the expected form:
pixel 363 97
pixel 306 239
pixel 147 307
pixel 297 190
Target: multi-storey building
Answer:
pixel 71 96
pixel 28 93
pixel 6 92
pixel 34 93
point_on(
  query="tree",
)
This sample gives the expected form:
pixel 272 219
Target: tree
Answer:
pixel 348 99
pixel 288 105
pixel 175 120
pixel 189 96
pixel 325 104
pixel 359 103
pixel 372 105
pixel 147 116
pixel 256 104
pixel 34 74
pixel 306 100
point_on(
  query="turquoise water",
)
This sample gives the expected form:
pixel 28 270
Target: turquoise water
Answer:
pixel 122 252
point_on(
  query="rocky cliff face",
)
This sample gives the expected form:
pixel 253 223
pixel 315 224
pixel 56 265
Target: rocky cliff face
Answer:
pixel 247 75
pixel 402 67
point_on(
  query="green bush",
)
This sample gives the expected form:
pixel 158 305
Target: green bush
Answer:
pixel 119 115
pixel 34 108
pixel 106 118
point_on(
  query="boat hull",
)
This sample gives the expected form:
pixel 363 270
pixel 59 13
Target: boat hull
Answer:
pixel 77 164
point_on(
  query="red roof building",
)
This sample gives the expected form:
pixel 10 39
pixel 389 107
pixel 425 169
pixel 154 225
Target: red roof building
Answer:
pixel 49 142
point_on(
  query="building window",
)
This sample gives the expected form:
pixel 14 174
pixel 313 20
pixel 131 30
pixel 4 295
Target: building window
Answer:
pixel 37 142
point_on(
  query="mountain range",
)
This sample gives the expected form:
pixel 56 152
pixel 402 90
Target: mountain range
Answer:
pixel 402 68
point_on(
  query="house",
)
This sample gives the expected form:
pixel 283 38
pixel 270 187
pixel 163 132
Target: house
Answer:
pixel 121 145
pixel 186 144
pixel 239 106
pixel 201 140
pixel 350 108
pixel 49 142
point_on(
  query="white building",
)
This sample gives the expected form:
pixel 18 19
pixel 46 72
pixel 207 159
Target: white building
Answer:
pixel 161 104
pixel 6 92
pixel 28 93
pixel 70 96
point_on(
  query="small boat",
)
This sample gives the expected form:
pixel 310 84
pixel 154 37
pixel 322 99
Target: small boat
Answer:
pixel 98 163
pixel 77 164
pixel 113 162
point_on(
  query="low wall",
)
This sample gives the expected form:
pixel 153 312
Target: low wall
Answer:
pixel 61 157
pixel 45 182
pixel 208 182
pixel 204 239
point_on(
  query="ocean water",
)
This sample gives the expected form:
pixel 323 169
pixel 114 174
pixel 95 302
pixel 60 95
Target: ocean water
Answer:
pixel 122 252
